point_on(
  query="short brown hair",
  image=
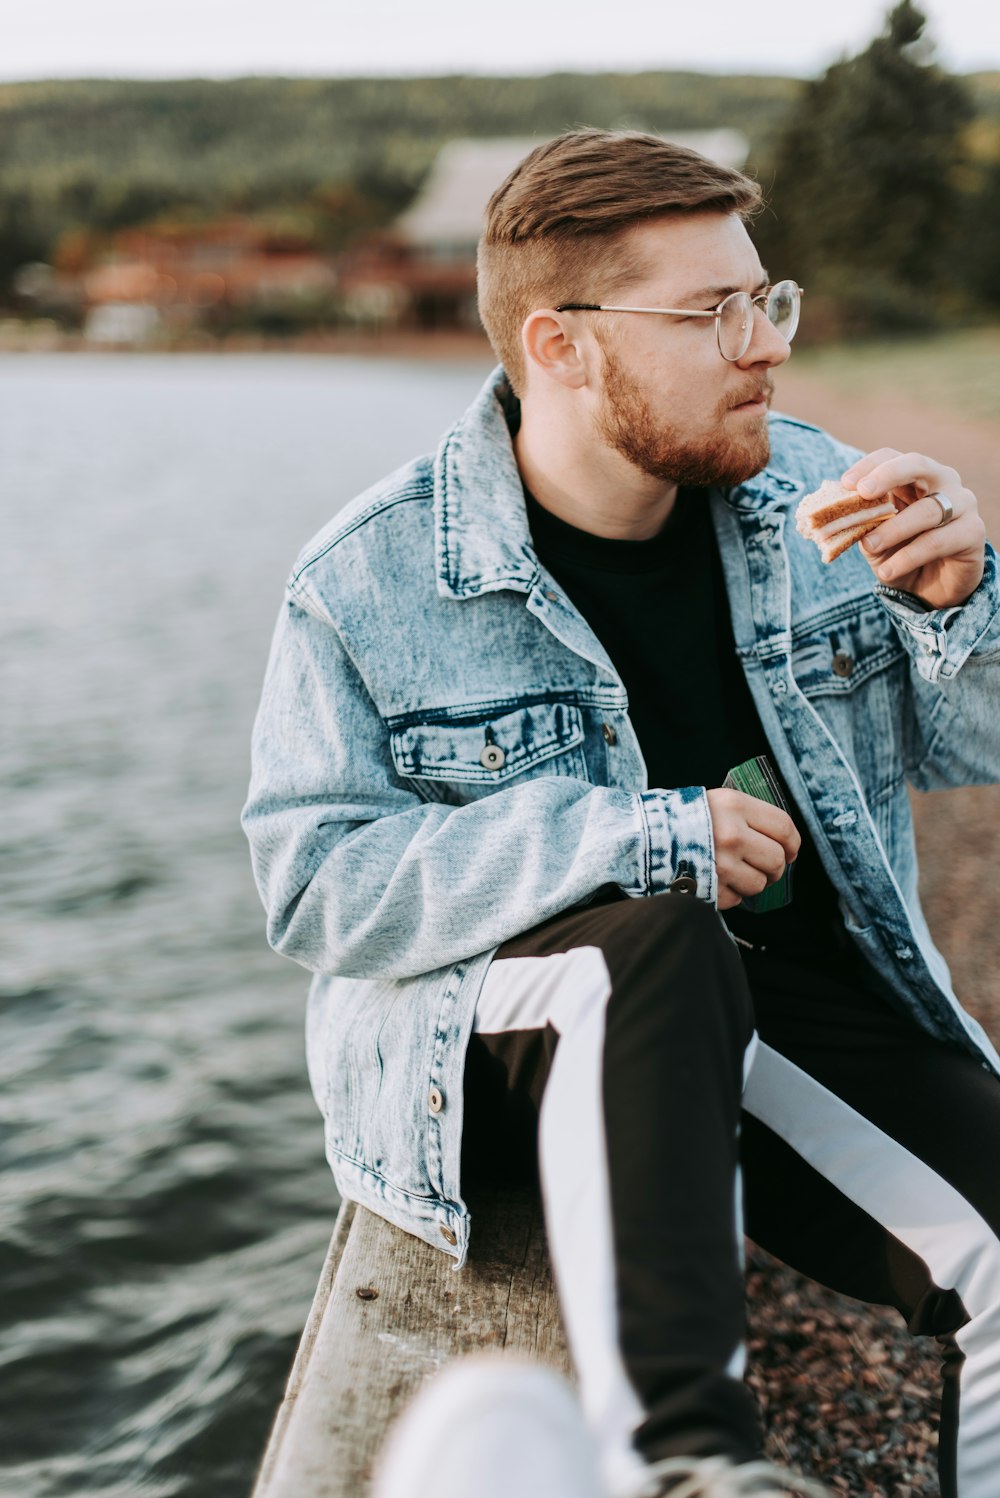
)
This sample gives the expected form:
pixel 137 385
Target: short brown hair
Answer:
pixel 552 229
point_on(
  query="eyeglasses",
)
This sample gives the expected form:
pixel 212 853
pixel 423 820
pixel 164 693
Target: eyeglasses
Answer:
pixel 733 316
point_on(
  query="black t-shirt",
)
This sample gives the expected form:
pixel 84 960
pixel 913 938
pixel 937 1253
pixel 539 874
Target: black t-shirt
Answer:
pixel 660 609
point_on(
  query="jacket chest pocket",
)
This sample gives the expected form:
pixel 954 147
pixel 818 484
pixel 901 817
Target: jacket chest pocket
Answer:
pixel 471 754
pixel 851 667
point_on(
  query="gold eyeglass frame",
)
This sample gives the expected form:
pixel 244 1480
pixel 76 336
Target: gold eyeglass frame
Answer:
pixel 761 300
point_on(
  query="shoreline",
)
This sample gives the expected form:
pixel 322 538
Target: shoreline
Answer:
pixel 451 343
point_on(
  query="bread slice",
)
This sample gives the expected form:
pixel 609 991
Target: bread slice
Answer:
pixel 835 517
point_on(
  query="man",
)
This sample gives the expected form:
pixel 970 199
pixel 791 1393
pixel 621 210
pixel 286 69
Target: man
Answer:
pixel 488 812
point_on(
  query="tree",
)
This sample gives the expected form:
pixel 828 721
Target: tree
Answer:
pixel 980 260
pixel 21 238
pixel 867 192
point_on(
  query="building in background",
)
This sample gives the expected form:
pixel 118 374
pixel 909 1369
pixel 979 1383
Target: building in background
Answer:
pixel 165 279
pixel 171 278
pixel 422 272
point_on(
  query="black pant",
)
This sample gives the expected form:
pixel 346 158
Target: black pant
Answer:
pixel 621 1033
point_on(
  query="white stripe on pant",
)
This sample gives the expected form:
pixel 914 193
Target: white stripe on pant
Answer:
pixel 915 1205
pixel 570 991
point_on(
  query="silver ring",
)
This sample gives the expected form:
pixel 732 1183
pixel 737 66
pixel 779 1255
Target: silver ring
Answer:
pixel 947 508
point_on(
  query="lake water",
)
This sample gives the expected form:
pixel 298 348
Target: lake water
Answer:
pixel 166 1206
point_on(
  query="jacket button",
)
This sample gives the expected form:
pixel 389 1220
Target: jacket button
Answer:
pixel 610 737
pixel 449 1236
pixel 684 885
pixel 492 757
pixel 435 1100
pixel 843 664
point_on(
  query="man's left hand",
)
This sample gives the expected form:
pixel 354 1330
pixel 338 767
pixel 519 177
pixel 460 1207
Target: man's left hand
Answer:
pixel 912 550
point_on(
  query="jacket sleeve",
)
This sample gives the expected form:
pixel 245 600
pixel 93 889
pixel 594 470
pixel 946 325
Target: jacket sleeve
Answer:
pixel 955 675
pixel 361 877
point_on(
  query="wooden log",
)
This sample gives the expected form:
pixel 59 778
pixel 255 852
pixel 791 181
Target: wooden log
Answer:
pixel 388 1311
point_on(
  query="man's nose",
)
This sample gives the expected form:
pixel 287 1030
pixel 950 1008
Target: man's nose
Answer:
pixel 767 346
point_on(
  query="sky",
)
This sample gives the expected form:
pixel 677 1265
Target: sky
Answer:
pixel 326 38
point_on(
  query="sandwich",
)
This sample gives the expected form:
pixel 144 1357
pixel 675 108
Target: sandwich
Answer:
pixel 835 517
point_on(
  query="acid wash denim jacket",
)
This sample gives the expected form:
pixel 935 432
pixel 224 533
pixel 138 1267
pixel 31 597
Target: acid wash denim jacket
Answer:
pixel 433 772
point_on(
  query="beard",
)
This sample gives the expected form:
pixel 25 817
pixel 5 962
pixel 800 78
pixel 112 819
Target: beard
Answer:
pixel 628 425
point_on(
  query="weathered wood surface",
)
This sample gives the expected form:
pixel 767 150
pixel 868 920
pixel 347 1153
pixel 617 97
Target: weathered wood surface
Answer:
pixel 389 1310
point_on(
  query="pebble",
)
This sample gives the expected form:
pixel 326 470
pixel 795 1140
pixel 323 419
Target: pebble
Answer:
pixel 846 1394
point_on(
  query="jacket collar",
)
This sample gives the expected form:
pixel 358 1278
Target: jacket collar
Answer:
pixel 764 492
pixel 482 539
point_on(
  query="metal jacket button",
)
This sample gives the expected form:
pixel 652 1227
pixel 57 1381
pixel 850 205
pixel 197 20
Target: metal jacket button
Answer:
pixel 449 1236
pixel 684 885
pixel 492 757
pixel 610 737
pixel 843 664
pixel 435 1100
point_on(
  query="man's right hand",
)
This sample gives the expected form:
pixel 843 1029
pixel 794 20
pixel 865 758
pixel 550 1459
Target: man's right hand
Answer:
pixel 753 842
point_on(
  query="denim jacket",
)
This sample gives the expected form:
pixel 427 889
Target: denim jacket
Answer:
pixel 432 772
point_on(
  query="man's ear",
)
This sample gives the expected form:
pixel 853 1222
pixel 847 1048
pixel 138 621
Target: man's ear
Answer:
pixel 551 347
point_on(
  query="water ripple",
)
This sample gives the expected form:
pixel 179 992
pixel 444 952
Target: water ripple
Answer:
pixel 166 1207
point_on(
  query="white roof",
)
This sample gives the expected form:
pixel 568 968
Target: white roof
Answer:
pixel 449 207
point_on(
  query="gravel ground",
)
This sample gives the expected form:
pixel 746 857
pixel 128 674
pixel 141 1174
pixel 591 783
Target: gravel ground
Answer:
pixel 845 1392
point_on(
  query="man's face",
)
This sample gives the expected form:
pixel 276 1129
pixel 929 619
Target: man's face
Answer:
pixel 669 402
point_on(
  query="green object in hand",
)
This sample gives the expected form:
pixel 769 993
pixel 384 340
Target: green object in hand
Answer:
pixel 756 777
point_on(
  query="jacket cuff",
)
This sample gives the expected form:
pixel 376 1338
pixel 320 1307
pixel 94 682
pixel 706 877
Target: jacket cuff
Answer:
pixel 940 640
pixel 680 842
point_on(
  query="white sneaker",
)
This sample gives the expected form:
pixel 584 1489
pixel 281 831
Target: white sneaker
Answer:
pixel 718 1477
pixel 489 1427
